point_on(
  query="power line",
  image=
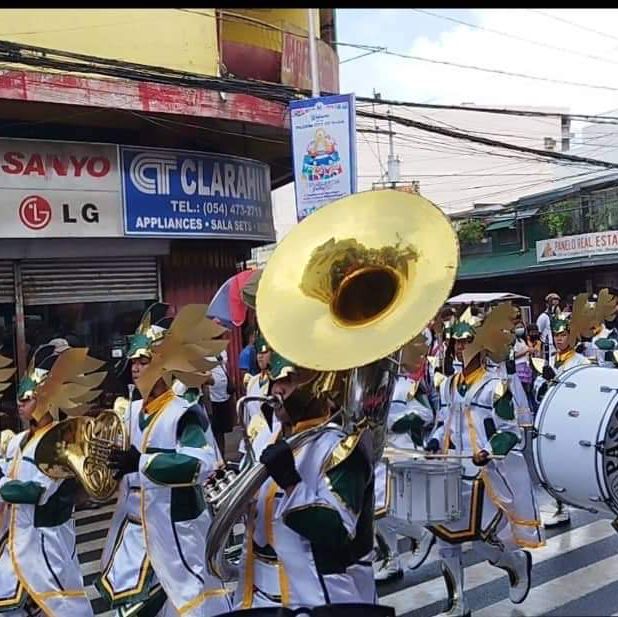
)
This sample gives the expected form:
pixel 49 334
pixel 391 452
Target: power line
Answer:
pixel 516 37
pixel 572 23
pixel 385 50
pixel 559 156
pixel 484 69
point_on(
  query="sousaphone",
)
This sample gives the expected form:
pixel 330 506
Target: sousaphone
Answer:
pixel 341 294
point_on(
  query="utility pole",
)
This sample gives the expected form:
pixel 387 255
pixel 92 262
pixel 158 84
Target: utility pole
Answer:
pixel 393 162
pixel 313 55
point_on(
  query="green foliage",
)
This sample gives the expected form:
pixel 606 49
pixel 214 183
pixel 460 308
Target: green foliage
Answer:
pixel 556 220
pixel 471 231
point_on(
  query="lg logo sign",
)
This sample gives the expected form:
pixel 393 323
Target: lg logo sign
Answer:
pixel 35 212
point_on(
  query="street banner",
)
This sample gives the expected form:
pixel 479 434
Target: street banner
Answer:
pixel 324 150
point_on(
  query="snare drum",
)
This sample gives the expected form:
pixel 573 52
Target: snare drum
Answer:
pixel 576 447
pixel 425 491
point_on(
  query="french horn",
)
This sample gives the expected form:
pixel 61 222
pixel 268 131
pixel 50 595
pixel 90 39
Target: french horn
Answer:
pixel 80 448
pixel 5 438
pixel 341 295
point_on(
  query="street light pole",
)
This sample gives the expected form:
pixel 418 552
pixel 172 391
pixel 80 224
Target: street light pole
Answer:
pixel 313 55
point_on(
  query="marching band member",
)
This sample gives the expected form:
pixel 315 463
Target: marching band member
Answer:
pixel 410 419
pixel 258 385
pixel 39 570
pixel 310 534
pixel 566 332
pixel 158 561
pixel 265 424
pixel 477 419
pixel 604 341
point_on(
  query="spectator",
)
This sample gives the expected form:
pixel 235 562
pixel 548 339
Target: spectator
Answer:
pixel 522 353
pixel 534 341
pixel 247 361
pixel 223 411
pixel 543 322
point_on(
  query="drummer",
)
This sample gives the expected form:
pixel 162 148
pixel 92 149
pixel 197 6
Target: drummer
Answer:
pixel 564 358
pixel 477 422
pixel 410 419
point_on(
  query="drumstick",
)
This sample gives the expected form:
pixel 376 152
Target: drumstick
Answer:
pixel 460 456
pixel 419 455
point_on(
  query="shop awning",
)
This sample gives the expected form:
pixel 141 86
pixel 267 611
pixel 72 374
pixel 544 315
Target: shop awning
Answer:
pixel 508 220
pixel 501 225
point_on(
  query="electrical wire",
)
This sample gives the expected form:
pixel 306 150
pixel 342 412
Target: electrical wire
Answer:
pixel 489 142
pixel 516 37
pixel 575 25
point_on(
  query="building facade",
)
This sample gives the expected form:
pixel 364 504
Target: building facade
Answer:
pixel 563 240
pixel 137 162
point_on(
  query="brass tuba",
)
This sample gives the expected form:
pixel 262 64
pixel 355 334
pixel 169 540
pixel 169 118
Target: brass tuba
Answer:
pixel 341 294
pixel 79 448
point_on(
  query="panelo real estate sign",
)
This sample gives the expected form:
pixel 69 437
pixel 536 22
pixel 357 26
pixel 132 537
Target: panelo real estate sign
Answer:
pixel 582 245
pixel 57 189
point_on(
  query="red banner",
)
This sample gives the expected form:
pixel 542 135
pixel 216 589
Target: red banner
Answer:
pixel 296 69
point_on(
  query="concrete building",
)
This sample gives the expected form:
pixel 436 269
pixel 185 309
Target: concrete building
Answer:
pixel 135 164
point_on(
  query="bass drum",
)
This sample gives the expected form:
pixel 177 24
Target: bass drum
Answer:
pixel 576 446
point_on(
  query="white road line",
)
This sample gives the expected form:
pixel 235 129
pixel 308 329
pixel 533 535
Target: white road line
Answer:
pixel 558 591
pixel 434 590
pixel 93 545
pixel 100 526
pixel 88 513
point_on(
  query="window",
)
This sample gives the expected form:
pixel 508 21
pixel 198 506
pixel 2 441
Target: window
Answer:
pixel 510 235
pixel 549 143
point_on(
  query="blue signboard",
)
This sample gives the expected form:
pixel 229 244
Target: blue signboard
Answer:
pixel 179 194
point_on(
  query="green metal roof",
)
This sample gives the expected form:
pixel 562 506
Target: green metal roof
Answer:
pixel 493 264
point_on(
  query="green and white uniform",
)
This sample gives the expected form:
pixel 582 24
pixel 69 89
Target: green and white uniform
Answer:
pixel 37 548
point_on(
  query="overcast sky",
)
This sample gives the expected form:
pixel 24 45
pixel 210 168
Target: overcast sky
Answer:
pixel 411 32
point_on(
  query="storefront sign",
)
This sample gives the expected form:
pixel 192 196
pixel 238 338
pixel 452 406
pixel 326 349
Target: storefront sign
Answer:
pixel 57 189
pixel 597 243
pixel 324 150
pixel 295 66
pixel 178 193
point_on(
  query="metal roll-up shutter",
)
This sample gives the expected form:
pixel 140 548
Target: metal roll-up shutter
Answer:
pixel 7 287
pixel 65 281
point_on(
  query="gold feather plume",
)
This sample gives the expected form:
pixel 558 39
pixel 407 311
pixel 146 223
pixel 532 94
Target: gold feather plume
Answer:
pixel 605 308
pixel 184 349
pixel 494 335
pixel 69 385
pixel 583 319
pixel 6 372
